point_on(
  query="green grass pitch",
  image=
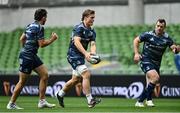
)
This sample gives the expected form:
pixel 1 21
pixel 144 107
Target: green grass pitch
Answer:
pixel 78 104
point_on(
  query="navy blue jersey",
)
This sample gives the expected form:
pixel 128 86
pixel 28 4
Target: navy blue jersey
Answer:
pixel 86 34
pixel 33 33
pixel 154 46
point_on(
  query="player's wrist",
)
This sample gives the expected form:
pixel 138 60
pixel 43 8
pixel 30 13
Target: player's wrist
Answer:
pixel 92 53
pixel 85 53
pixel 136 53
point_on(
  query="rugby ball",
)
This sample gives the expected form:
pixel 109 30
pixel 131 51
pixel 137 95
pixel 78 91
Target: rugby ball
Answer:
pixel 94 59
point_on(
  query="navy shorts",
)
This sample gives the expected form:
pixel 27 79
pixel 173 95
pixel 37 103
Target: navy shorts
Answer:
pixel 147 66
pixel 75 61
pixel 28 63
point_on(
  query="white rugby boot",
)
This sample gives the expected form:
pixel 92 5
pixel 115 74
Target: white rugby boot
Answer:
pixel 150 103
pixel 45 104
pixel 139 104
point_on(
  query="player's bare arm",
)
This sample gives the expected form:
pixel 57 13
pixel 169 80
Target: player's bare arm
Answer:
pixel 79 46
pixel 22 39
pixel 93 47
pixel 137 56
pixel 43 43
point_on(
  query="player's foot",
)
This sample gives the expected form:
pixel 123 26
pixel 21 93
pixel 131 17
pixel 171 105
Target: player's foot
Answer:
pixel 93 102
pixel 45 104
pixel 11 105
pixel 139 104
pixel 150 103
pixel 61 100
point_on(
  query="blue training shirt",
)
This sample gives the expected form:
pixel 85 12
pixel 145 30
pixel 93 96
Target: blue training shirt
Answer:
pixel 33 32
pixel 86 34
pixel 154 46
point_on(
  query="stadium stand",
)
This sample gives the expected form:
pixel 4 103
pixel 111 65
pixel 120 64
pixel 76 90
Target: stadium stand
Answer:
pixel 114 44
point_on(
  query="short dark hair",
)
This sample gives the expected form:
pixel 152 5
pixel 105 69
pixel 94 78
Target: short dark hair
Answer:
pixel 39 14
pixel 162 21
pixel 86 13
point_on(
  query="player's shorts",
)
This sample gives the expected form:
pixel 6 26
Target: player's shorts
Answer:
pixel 27 63
pixel 78 65
pixel 147 66
pixel 79 70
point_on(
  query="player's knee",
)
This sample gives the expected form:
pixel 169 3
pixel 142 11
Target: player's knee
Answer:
pixel 44 76
pixel 156 79
pixel 86 74
pixel 75 80
pixel 21 82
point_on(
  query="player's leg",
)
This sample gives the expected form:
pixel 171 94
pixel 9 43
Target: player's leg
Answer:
pixel 153 78
pixel 74 62
pixel 43 74
pixel 157 90
pixel 149 97
pixel 85 73
pixel 73 81
pixel 17 90
pixel 69 84
pixel 78 88
pixel 24 72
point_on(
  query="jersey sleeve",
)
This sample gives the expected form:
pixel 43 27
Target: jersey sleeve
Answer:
pixel 40 33
pixel 170 42
pixel 78 32
pixel 36 32
pixel 94 36
pixel 143 37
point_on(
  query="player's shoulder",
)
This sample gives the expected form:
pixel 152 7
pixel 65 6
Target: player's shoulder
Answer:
pixel 149 33
pixel 35 26
pixel 166 35
pixel 79 26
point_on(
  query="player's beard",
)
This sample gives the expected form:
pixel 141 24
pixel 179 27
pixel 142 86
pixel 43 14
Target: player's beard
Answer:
pixel 159 32
pixel 43 22
pixel 90 23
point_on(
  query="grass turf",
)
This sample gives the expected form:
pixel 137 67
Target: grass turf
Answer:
pixel 78 104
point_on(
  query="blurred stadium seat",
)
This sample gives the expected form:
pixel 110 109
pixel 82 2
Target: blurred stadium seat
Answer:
pixel 111 40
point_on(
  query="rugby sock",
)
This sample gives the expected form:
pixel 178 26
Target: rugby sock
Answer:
pixel 147 93
pixel 143 96
pixel 61 93
pixel 150 89
pixel 89 97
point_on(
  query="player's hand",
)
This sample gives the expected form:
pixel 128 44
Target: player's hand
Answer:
pixel 137 58
pixel 54 36
pixel 87 56
pixel 176 49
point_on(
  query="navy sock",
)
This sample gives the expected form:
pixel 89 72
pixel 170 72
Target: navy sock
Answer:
pixel 147 93
pixel 150 89
pixel 143 96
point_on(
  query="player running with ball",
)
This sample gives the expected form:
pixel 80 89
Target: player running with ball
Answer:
pixel 82 35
